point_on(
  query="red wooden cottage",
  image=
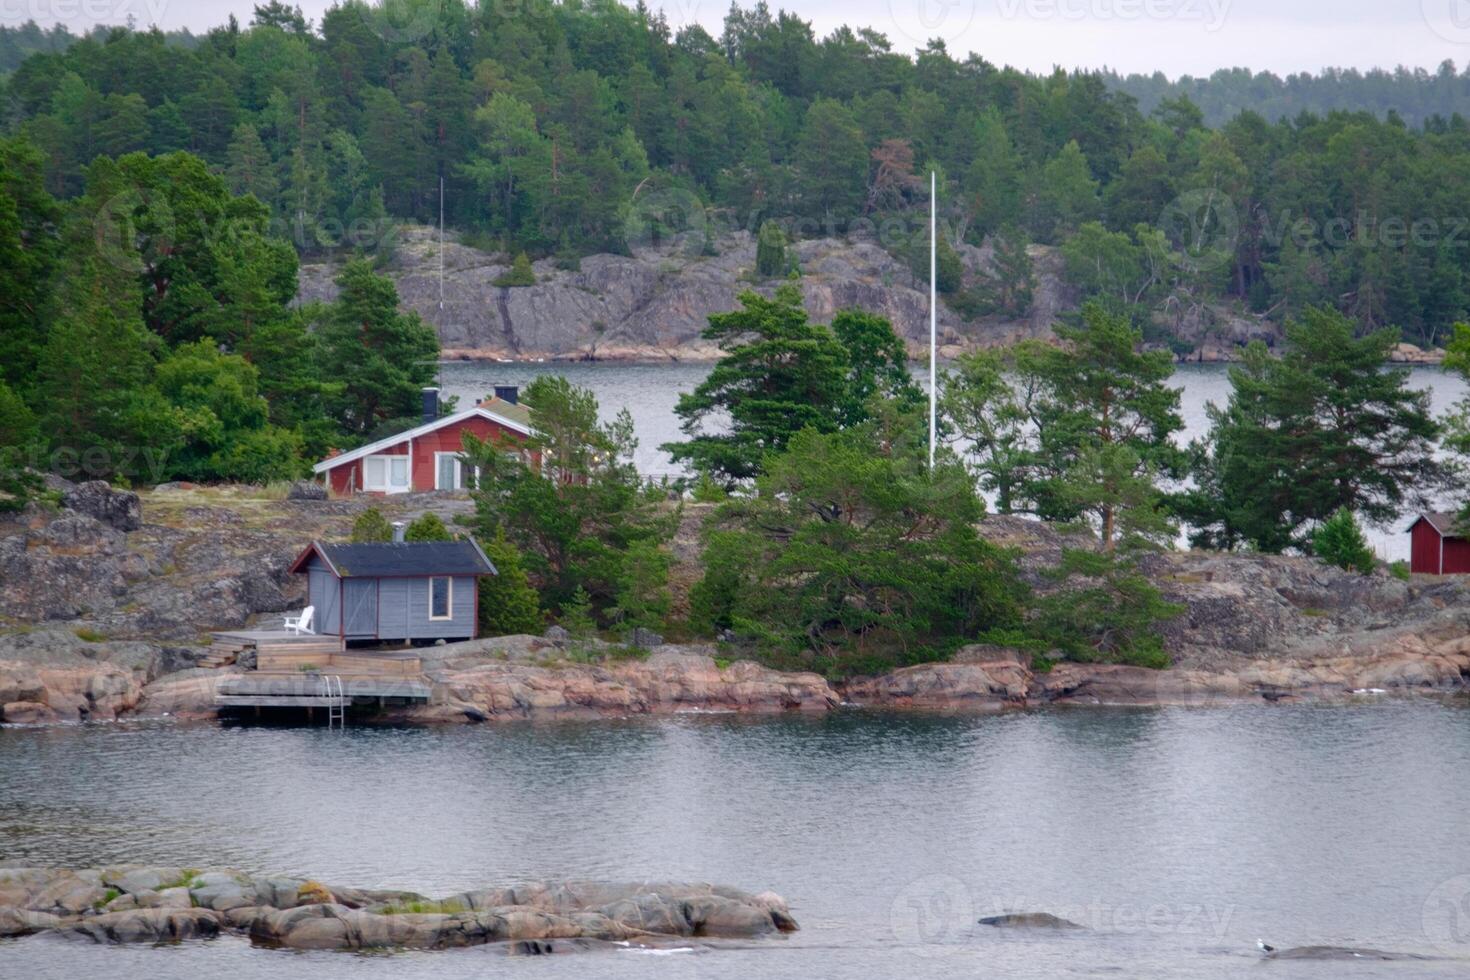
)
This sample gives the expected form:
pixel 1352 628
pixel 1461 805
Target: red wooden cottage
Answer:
pixel 1437 547
pixel 427 457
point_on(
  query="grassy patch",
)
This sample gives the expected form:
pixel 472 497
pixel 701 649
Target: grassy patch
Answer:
pixel 1315 612
pixel 90 636
pixel 107 898
pixel 185 879
pixel 445 907
pixel 1399 570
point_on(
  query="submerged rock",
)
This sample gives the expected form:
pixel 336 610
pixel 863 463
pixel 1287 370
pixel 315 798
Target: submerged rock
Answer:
pixel 1029 920
pixel 1338 953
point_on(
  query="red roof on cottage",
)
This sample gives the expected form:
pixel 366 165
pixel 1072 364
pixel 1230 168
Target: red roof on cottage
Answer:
pixel 1445 524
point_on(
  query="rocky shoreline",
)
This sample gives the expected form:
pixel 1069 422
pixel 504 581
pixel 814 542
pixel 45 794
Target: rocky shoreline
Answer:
pixel 159 905
pixel 106 600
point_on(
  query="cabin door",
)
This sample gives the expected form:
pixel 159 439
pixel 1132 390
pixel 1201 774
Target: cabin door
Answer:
pixel 360 612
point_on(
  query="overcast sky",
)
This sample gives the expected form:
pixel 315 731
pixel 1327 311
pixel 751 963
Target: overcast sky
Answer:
pixel 1174 36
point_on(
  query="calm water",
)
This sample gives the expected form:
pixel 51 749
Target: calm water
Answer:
pixel 650 391
pixel 1179 836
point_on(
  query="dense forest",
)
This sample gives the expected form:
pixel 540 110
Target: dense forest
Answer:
pixel 555 126
pixel 1416 95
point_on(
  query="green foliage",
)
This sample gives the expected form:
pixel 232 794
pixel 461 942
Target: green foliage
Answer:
pixel 325 138
pixel 576 616
pixel 780 374
pixel 1106 611
pixel 1007 286
pixel 877 367
pixel 949 271
pixel 509 605
pixel 383 356
pixel 371 527
pixel 1066 195
pixel 853 557
pixel 642 587
pixel 520 273
pixel 770 251
pixel 1080 431
pixel 223 419
pixel 570 498
pixel 1400 570
pixel 708 491
pixel 428 526
pixel 1326 426
pixel 544 139
pixel 19 438
pixel 1340 541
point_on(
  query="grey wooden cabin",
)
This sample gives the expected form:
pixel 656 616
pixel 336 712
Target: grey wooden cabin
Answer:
pixel 422 590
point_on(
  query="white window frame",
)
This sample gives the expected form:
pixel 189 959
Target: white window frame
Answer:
pixel 388 459
pixel 449 606
pixel 459 471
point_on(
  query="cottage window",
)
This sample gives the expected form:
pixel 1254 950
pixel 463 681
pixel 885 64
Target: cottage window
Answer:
pixel 449 471
pixel 441 598
pixel 386 474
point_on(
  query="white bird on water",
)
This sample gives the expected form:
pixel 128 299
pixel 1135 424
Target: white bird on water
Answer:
pixel 1264 946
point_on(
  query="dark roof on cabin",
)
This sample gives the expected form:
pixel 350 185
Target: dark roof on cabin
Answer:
pixel 402 559
pixel 1446 524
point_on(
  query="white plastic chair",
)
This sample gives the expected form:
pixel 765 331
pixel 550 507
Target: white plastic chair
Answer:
pixel 301 624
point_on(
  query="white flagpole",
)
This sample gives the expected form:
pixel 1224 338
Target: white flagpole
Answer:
pixel 933 315
pixel 441 243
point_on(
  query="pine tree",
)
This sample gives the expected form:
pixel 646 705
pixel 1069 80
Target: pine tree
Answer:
pixel 250 170
pixel 780 374
pixel 520 273
pixel 509 605
pixel 1325 426
pixel 371 527
pixel 1340 541
pixel 770 251
pixel 428 526
pixel 384 357
pixel 1007 286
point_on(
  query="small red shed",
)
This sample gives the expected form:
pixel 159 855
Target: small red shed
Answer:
pixel 427 457
pixel 1436 546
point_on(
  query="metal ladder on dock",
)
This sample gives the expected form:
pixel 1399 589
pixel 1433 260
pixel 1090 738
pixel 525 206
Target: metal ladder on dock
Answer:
pixel 337 707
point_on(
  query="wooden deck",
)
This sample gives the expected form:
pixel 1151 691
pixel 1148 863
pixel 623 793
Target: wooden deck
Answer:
pixel 306 671
pixel 228 645
pixel 256 689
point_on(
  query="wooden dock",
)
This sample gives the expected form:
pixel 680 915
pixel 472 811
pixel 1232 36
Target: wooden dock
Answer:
pixel 306 671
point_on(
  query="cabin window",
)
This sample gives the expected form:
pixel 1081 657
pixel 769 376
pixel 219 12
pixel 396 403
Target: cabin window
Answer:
pixel 441 598
pixel 386 474
pixel 449 472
